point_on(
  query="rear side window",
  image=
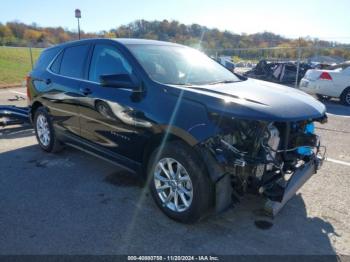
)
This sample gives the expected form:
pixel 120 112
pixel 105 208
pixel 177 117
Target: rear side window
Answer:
pixel 73 61
pixel 56 65
pixel 45 59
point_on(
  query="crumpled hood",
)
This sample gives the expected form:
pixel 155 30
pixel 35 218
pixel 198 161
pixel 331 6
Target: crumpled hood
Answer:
pixel 256 99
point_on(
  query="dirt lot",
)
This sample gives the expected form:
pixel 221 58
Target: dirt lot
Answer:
pixel 73 203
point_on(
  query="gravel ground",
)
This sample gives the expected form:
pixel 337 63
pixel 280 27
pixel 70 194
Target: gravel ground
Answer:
pixel 73 203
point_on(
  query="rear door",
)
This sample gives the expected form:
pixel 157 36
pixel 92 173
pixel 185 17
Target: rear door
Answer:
pixel 64 96
pixel 39 75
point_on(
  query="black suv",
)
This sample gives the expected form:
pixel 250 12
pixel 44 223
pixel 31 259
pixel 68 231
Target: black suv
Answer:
pixel 197 133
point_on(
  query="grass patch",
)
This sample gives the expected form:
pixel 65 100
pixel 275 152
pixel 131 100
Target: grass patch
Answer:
pixel 15 63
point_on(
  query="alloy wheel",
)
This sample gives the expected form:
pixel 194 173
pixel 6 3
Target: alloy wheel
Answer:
pixel 173 185
pixel 43 130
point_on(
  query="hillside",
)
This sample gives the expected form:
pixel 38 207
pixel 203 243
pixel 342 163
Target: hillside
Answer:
pixel 20 34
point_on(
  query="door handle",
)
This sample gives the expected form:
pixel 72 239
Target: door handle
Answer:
pixel 85 90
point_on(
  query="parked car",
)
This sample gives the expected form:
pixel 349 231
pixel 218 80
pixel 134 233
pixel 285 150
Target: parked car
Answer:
pixel 224 61
pixel 197 133
pixel 334 82
pixel 227 63
pixel 279 72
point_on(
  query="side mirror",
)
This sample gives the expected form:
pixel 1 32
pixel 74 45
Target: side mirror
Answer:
pixel 118 81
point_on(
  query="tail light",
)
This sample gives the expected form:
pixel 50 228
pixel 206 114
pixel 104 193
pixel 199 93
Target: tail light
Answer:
pixel 28 79
pixel 325 76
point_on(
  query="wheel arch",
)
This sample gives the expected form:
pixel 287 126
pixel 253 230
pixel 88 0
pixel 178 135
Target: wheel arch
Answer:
pixel 344 91
pixel 33 109
pixel 168 134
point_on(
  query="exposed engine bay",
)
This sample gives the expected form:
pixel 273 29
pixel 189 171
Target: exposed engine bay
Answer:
pixel 262 157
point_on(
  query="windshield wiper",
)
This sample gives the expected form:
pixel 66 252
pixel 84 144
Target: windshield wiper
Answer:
pixel 223 82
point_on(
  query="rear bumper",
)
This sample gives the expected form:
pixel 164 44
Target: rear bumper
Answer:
pixel 308 86
pixel 318 87
pixel 297 180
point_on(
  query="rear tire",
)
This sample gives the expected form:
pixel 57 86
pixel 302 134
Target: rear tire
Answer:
pixel 189 183
pixel 44 131
pixel 345 97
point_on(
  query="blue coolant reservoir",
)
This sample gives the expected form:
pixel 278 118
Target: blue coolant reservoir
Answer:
pixel 305 150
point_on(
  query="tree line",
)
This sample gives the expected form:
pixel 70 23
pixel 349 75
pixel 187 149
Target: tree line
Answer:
pixel 211 40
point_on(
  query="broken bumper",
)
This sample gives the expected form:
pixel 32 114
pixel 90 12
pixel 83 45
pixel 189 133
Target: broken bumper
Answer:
pixel 297 180
pixel 224 190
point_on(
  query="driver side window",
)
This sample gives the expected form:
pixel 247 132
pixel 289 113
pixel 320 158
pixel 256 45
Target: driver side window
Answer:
pixel 107 60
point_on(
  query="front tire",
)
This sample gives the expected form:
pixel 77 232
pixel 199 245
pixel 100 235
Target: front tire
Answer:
pixel 44 131
pixel 179 184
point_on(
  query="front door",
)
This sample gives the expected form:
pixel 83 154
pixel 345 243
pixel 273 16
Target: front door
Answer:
pixel 107 114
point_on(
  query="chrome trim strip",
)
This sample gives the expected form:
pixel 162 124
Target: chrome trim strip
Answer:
pixel 68 77
pixel 74 78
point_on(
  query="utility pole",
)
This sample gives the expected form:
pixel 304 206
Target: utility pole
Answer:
pixel 298 63
pixel 31 56
pixel 78 16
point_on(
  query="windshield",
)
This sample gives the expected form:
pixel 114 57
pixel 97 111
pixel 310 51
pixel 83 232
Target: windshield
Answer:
pixel 179 65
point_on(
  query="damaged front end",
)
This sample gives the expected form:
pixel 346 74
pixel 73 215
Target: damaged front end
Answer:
pixel 273 159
